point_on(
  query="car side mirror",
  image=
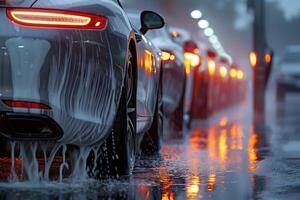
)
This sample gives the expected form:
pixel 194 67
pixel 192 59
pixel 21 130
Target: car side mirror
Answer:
pixel 151 20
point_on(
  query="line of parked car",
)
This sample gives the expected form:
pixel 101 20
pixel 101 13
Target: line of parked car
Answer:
pixel 87 74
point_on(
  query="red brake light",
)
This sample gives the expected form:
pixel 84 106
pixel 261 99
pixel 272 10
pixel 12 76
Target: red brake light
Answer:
pixel 25 104
pixel 48 18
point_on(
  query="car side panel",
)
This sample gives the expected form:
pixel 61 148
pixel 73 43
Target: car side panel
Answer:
pixel 148 81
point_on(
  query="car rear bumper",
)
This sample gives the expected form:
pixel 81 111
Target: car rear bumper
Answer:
pixel 79 74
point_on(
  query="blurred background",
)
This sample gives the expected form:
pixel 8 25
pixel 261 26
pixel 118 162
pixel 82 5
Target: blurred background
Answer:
pixel 231 21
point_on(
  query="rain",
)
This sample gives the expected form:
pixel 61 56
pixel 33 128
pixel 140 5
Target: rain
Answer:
pixel 204 100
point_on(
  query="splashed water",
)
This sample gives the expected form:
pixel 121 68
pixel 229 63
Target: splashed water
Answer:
pixel 40 160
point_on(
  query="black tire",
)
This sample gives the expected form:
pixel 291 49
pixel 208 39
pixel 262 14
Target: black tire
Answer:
pixel 117 154
pixel 153 139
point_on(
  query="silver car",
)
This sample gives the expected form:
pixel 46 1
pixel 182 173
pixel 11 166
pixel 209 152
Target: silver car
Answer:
pixel 76 72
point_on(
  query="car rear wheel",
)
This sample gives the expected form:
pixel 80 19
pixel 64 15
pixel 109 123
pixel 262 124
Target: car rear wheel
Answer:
pixel 153 139
pixel 117 154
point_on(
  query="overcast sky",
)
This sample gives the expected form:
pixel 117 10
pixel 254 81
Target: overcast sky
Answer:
pixel 231 21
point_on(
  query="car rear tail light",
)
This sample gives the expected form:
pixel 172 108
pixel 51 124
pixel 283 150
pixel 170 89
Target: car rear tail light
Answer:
pixel 233 73
pixel 167 56
pixel 192 59
pixel 25 104
pixel 240 75
pixel 48 18
pixel 223 71
pixel 211 67
pixel 268 58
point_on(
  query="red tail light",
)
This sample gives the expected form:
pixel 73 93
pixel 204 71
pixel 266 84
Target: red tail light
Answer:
pixel 193 59
pixel 25 104
pixel 47 18
pixel 167 56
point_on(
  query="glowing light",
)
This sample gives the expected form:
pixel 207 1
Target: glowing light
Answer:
pixel 213 39
pixel 208 32
pixel 240 75
pixel 223 148
pixel 253 59
pixel 233 73
pixel 218 46
pixel 196 14
pixel 268 58
pixel 167 56
pixel 223 71
pixel 193 187
pixel 252 155
pixel 211 67
pixel 203 24
pixel 174 34
pixel 43 18
pixel 223 122
pixel 192 59
pixel 211 182
pixel 149 61
pixel 212 143
pixel 187 67
pixel 25 104
pixel 168 196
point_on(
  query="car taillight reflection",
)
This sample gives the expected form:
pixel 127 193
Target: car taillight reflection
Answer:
pixel 48 18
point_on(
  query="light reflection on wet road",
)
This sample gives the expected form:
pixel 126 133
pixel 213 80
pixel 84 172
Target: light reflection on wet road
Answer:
pixel 216 162
pixel 227 159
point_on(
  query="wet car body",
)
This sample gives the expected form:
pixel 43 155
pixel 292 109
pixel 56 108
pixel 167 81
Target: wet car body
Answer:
pixel 77 75
pixel 173 70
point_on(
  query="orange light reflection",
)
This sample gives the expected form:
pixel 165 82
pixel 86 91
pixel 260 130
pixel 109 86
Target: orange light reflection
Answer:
pixel 193 188
pixel 252 154
pixel 149 61
pixel 211 182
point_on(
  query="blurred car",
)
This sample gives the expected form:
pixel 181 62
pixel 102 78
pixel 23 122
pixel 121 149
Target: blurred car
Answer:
pixel 174 76
pixel 205 87
pixel 78 73
pixel 173 73
pixel 288 73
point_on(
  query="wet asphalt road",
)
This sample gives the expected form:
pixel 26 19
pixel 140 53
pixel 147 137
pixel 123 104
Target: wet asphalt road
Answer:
pixel 225 158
